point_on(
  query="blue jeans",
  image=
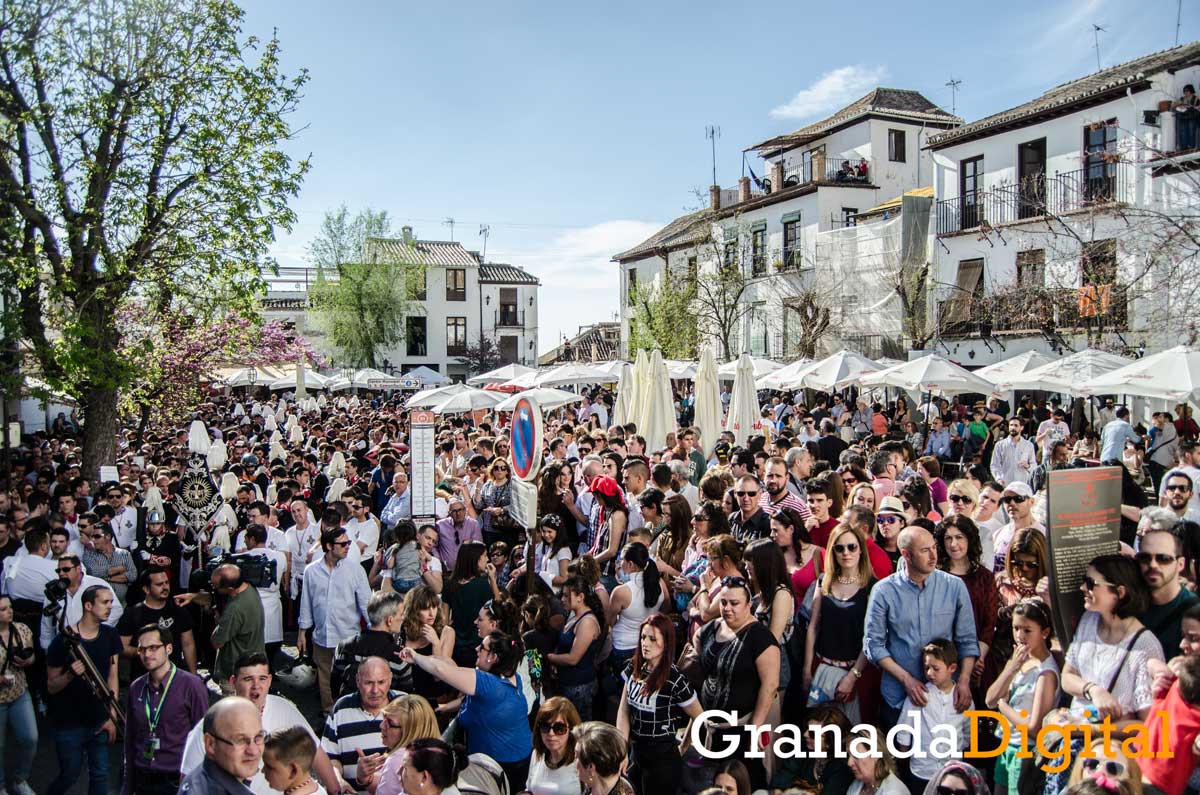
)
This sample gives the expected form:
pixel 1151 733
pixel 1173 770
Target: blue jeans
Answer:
pixel 18 719
pixel 71 744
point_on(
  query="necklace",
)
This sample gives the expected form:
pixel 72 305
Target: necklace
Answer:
pixel 847 580
pixel 307 780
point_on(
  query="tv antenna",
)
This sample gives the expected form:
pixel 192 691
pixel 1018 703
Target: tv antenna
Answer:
pixel 1178 20
pixel 1096 31
pixel 484 230
pixel 713 133
pixel 450 223
pixel 954 83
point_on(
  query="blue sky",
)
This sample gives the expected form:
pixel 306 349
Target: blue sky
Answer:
pixel 576 130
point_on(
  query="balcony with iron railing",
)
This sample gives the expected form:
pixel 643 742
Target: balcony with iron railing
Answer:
pixel 1036 310
pixel 1096 185
pixel 509 317
pixel 826 170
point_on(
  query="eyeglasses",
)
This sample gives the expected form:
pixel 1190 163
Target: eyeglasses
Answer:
pixel 1026 565
pixel 242 742
pixel 849 481
pixel 840 548
pixel 558 728
pixel 1111 767
pixel 957 498
pixel 698 518
pixel 1177 487
pixel 95 535
pixel 1161 558
pixel 151 649
pixel 1091 583
pixel 745 494
pixel 1013 499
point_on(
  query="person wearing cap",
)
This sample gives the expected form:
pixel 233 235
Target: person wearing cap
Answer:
pixel 889 521
pixel 1017 501
pixel 1013 457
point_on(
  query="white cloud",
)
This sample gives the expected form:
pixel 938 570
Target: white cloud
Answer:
pixel 579 280
pixel 831 91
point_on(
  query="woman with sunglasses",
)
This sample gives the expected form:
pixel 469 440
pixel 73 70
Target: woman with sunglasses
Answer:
pixel 960 553
pixel 492 504
pixel 708 521
pixel 552 766
pixel 670 544
pixel 406 718
pixel 957 778
pixel 494 710
pixel 740 658
pixel 1106 668
pixel 834 658
pixel 655 696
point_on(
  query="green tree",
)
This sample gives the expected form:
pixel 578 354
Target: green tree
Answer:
pixel 361 305
pixel 664 318
pixel 141 152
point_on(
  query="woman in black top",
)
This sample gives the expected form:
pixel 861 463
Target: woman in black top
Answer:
pixel 580 641
pixel 655 697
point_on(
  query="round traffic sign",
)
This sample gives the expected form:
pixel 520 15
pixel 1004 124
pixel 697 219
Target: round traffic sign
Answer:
pixel 526 439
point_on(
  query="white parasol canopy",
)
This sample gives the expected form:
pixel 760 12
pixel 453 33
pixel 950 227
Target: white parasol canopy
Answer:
pixel 313 380
pixel 657 416
pixel 547 398
pixel 680 370
pixel 338 384
pixel 1066 375
pixel 788 374
pixel 837 371
pixel 426 375
pixel 744 413
pixel 708 401
pixel 566 374
pixel 428 398
pixel 363 378
pixel 761 367
pixel 612 368
pixel 933 373
pixel 242 376
pixel 500 375
pixel 527 381
pixel 468 400
pixel 1173 375
pixel 1013 367
pixel 621 414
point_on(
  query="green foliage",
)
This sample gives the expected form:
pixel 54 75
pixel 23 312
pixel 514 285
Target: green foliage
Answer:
pixel 362 310
pixel 664 318
pixel 140 151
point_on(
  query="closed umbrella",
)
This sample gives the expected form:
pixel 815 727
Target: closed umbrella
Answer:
pixel 1066 375
pixel 301 386
pixel 547 398
pixel 500 375
pixel 708 401
pixel 931 374
pixel 744 414
pixel 467 400
pixel 621 414
pixel 1172 375
pixel 637 388
pixel 657 417
pixel 839 371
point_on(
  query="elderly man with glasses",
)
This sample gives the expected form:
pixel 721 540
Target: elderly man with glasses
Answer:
pixel 454 531
pixel 233 746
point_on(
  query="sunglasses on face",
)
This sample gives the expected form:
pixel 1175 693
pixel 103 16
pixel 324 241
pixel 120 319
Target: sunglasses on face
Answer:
pixel 1160 558
pixel 888 519
pixel 745 494
pixel 1109 766
pixel 64 570
pixel 558 728
pixel 1026 565
pixel 1091 583
pixel 341 543
pixel 1013 500
pixel 849 481
pixel 1177 487
pixel 840 548
pixel 961 498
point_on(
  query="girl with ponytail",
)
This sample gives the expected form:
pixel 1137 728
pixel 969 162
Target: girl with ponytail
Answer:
pixel 639 595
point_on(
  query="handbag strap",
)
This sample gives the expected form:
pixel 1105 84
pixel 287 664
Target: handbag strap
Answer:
pixel 1124 657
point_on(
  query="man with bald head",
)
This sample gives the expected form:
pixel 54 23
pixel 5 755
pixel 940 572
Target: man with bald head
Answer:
pixel 352 736
pixel 909 608
pixel 241 623
pixel 233 744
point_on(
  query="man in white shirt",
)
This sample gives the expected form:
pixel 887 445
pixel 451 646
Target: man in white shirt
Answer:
pixel 399 504
pixel 302 538
pixel 124 521
pixel 26 575
pixel 70 570
pixel 363 529
pixel 1013 458
pixel 1052 430
pixel 252 680
pixel 259 513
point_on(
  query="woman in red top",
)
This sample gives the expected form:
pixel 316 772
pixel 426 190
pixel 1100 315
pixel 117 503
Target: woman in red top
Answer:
pixel 802 556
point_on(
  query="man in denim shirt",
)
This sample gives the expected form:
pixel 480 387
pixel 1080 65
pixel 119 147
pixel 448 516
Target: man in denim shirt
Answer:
pixel 937 444
pixel 907 610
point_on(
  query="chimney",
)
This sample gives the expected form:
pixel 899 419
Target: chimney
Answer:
pixel 744 189
pixel 714 197
pixel 777 175
pixel 406 232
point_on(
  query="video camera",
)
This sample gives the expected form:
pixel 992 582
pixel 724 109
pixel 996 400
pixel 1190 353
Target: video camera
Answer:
pixel 258 571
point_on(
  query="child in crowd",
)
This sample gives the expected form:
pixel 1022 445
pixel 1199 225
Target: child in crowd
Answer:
pixel 1179 731
pixel 1027 687
pixel 940 660
pixel 403 564
pixel 287 760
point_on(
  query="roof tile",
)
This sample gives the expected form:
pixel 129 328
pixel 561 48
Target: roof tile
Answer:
pixel 423 252
pixel 500 273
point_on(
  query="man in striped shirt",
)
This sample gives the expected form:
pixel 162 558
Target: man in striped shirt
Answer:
pixel 352 736
pixel 775 496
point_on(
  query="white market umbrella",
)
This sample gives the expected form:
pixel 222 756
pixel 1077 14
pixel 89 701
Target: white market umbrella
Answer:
pixel 1172 375
pixel 468 400
pixel 744 413
pixel 500 375
pixel 1015 366
pixel 1067 374
pixel 526 381
pixel 761 367
pixel 621 414
pixel 242 376
pixel 338 384
pixel 363 378
pixel 611 368
pixel 680 370
pixel 838 371
pixel 546 397
pixel 784 376
pixel 657 417
pixel 933 374
pixel 708 401
pixel 571 374
pixel 427 376
pixel 313 380
pixel 428 398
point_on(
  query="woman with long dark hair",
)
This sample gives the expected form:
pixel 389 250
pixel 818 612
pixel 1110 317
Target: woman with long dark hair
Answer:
pixel 709 520
pixel 425 632
pixel 800 555
pixel 580 642
pixel 960 552
pixel 656 693
pixel 472 583
pixel 671 546
pixel 556 495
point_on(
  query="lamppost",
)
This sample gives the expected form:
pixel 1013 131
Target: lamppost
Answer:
pixel 251 380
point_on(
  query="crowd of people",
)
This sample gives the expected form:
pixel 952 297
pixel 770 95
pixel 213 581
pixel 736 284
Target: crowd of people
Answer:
pixel 848 565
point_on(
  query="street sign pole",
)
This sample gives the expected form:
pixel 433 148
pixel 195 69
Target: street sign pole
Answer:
pixel 525 452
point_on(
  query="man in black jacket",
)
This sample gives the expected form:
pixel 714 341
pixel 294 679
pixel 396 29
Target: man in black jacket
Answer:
pixel 385 612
